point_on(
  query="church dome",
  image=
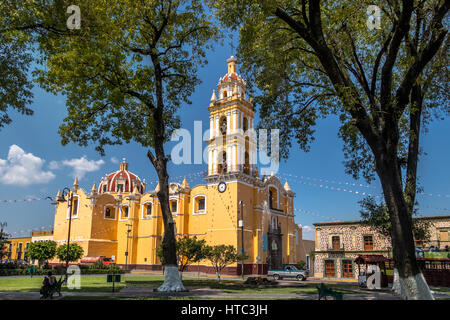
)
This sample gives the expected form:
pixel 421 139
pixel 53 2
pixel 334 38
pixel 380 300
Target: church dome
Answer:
pixel 122 181
pixel 231 83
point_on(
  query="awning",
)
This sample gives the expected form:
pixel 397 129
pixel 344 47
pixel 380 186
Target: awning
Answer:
pixel 370 259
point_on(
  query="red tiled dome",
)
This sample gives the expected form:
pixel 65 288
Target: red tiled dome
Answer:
pixel 128 179
pixel 233 77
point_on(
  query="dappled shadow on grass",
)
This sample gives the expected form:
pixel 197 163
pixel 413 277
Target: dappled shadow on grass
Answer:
pixel 236 287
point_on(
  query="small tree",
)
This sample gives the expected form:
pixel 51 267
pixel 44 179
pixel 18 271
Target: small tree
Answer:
pixel 3 240
pixel 312 256
pixel 41 251
pixel 376 215
pixel 189 250
pixel 222 255
pixel 301 264
pixel 75 252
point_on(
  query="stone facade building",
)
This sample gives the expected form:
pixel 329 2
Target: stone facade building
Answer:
pixel 338 244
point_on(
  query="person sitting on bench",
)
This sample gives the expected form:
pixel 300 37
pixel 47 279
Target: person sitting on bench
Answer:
pixel 48 284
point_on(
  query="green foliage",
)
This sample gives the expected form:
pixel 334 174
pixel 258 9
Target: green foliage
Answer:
pixel 312 255
pixel 189 250
pixel 296 83
pixel 221 256
pixel 75 252
pixel 124 73
pixel 128 59
pixel 99 267
pixel 41 250
pixel 3 240
pixel 301 264
pixel 310 59
pixel 15 61
pixel 376 215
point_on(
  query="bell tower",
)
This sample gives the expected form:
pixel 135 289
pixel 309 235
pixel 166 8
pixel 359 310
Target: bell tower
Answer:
pixel 232 140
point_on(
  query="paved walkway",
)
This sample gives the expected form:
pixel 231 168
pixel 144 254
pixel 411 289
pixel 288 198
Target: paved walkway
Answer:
pixel 206 293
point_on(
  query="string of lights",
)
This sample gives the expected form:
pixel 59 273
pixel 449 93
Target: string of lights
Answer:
pixel 200 174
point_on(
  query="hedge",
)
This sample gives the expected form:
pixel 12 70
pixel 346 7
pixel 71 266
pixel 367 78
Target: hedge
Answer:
pixel 57 271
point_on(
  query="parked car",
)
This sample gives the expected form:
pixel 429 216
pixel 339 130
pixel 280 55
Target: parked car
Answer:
pixel 289 271
pixel 95 259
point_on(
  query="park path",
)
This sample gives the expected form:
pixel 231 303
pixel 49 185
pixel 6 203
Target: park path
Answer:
pixel 197 293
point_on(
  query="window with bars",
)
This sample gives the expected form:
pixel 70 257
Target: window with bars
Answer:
pixel 329 269
pixel 347 268
pixel 336 242
pixel 110 213
pixel 174 206
pixel 148 210
pixel 368 243
pixel 125 212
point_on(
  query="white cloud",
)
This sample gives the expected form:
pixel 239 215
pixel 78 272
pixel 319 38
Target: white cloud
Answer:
pixel 114 160
pixel 82 165
pixel 23 169
pixel 307 232
pixel 54 165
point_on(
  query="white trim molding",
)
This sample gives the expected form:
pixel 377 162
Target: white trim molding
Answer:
pixel 74 216
pixel 144 205
pixel 104 212
pixel 196 213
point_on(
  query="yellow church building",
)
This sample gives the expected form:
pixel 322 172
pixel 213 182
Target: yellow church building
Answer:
pixel 121 216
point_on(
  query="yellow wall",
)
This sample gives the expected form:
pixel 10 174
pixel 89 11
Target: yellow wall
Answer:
pixel 13 245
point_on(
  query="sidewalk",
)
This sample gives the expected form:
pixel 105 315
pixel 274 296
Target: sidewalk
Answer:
pixel 205 293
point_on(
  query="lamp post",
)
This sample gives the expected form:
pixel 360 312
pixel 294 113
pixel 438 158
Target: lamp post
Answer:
pixel 241 224
pixel 126 252
pixel 62 199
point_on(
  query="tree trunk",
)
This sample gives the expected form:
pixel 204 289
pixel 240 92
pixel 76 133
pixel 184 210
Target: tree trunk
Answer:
pixel 172 282
pixel 409 282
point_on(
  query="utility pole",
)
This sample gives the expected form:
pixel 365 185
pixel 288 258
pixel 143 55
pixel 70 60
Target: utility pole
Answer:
pixel 69 204
pixel 126 252
pixel 241 224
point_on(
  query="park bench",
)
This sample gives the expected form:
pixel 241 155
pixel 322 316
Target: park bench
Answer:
pixel 51 290
pixel 324 291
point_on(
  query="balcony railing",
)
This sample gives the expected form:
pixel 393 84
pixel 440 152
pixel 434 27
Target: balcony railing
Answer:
pixel 336 248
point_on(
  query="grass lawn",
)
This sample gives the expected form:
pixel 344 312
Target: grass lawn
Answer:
pixel 441 289
pixel 99 284
pixel 88 284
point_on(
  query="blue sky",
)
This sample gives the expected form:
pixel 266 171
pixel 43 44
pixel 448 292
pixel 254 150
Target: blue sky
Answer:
pixel 34 164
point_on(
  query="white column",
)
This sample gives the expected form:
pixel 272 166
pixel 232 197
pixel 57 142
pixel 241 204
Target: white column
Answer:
pixel 239 155
pixel 241 115
pixel 214 161
pixel 233 152
pixel 211 127
pixel 210 162
pixel 229 159
pixel 228 122
pixel 217 125
pixel 235 121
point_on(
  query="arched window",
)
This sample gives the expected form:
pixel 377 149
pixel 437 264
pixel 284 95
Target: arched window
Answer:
pixel 223 125
pixel 245 124
pixel 124 212
pixel 224 93
pixel 74 208
pixel 110 213
pixel 247 163
pixel 147 210
pixel 173 206
pixel 222 163
pixel 273 201
pixel 199 204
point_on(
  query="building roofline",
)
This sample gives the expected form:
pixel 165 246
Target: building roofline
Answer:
pixel 359 221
